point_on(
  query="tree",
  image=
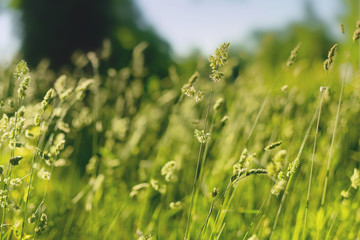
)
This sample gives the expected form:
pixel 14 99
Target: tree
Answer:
pixel 55 29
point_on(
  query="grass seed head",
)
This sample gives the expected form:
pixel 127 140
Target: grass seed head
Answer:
pixel 15 160
pixel 21 112
pixel 188 90
pixel 331 56
pixel 19 126
pixel 278 187
pixel 176 205
pixel 284 88
pixel 243 156
pixel 281 175
pixel 237 168
pixel 220 57
pixel 219 105
pixel 37 119
pixel 65 94
pixel 216 75
pixel 293 55
pixel 201 136
pixel 199 96
pixel 224 120
pixel 332 51
pixel 136 189
pixel 238 172
pixel 253 237
pixel 46 175
pixel 15 182
pixel 47 98
pixel 292 167
pixel 21 69
pixel 358 24
pixel 32 219
pixel 161 188
pixel 345 194
pixel 355 179
pixel 4 123
pixel 23 87
pixel 82 87
pixel 256 171
pixel 272 146
pixel 342 28
pixel 214 192
pixel 60 84
pixel 356 35
pixel 193 78
pixel 42 224
pixel 168 171
pixel 59 147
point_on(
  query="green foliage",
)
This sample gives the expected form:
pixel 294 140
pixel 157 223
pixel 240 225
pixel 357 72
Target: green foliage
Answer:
pixel 58 30
pixel 113 156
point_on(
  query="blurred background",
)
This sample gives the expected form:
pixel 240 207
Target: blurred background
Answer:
pixel 173 30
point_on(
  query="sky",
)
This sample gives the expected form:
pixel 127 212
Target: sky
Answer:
pixel 9 42
pixel 202 24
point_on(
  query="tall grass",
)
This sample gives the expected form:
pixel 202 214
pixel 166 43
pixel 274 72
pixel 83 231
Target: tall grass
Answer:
pixel 231 153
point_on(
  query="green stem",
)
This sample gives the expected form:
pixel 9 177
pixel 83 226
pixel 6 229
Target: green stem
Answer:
pixel 292 178
pixel 312 165
pixel 198 163
pixel 12 153
pixel 207 218
pixel 175 110
pixel 334 134
pixel 29 185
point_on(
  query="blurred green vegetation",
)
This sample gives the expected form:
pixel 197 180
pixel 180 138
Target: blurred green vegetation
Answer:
pixel 131 120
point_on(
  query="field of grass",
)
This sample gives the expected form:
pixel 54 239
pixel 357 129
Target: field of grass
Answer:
pixel 216 150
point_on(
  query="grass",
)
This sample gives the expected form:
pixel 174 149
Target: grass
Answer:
pixel 231 153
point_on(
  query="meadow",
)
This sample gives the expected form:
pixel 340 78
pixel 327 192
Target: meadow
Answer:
pixel 218 149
